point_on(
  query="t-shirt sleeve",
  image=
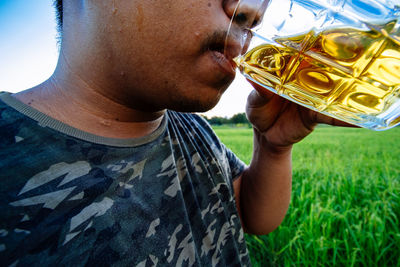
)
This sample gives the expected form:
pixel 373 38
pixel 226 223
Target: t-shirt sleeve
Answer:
pixel 236 165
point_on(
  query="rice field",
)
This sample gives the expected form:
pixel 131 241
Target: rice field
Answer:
pixel 345 208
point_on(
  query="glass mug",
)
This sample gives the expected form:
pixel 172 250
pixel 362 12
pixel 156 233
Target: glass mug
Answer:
pixel 337 57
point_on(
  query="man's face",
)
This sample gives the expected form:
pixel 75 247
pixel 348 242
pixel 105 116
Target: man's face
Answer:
pixel 167 53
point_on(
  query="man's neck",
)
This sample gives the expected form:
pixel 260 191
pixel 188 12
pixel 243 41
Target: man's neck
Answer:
pixel 80 106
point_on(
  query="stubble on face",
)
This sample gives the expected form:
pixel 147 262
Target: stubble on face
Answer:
pixel 165 55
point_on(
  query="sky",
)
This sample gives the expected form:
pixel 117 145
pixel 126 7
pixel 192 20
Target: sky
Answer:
pixel 28 52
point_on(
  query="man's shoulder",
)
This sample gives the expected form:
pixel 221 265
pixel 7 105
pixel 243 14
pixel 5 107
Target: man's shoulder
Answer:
pixel 4 107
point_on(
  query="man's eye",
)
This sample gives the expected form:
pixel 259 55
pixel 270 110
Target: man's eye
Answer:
pixel 241 18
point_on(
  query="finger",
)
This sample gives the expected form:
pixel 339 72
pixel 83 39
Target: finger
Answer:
pixel 255 99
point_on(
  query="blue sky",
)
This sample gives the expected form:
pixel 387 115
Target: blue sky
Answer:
pixel 28 52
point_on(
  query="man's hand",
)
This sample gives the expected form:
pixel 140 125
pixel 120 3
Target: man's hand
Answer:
pixel 281 121
pixel 263 190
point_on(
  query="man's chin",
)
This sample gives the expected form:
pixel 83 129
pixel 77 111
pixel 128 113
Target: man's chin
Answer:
pixel 196 105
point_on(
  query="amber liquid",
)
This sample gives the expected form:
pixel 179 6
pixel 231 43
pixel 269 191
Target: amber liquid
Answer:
pixel 349 74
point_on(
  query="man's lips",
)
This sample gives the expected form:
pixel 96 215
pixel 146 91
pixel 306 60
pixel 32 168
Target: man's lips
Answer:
pixel 227 65
pixel 227 51
pixel 223 50
pixel 219 41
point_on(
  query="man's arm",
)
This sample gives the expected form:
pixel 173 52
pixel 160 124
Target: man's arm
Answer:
pixel 263 190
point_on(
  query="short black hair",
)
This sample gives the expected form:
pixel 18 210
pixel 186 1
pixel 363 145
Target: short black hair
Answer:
pixel 59 15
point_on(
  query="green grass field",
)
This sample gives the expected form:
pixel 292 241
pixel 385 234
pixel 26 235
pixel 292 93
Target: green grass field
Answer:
pixel 345 208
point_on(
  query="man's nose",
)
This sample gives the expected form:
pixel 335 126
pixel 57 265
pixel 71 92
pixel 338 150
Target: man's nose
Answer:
pixel 229 7
pixel 246 13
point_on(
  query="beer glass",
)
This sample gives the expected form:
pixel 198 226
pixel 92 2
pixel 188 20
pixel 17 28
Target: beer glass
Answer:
pixel 337 57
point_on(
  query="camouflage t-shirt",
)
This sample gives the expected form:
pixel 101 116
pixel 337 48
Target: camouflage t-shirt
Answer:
pixel 71 198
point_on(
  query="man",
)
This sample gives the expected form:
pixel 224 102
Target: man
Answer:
pixel 96 171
